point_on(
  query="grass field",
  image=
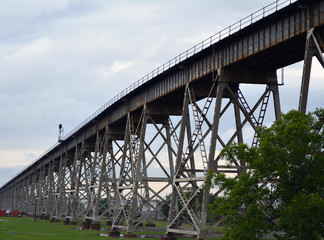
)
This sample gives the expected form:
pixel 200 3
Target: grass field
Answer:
pixel 25 228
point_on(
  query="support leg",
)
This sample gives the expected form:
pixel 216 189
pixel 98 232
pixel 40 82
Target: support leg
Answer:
pixel 211 158
pixel 312 49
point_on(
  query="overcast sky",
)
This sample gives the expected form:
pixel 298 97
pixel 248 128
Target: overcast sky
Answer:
pixel 61 60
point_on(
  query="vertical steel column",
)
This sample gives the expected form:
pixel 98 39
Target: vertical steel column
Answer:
pixel 65 188
pixel 9 195
pixel 87 188
pixel 184 118
pixel 8 199
pixel 91 178
pixel 29 193
pixel 137 178
pixel 33 194
pixel 75 184
pixel 83 184
pixel 312 48
pixel 72 181
pixel 122 185
pixel 25 194
pixel 111 176
pixel 41 191
pixel 211 157
pixel 96 216
pixel 170 149
pixel 276 100
pixel 14 196
pixel 109 189
pixel 238 123
pixel 60 186
pixel 2 199
pixel 141 173
pixel 54 196
pixel 91 181
pixel 49 191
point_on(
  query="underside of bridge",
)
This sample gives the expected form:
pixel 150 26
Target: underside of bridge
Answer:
pixel 165 135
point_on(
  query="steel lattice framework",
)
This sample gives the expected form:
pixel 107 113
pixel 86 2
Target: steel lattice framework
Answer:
pixel 166 133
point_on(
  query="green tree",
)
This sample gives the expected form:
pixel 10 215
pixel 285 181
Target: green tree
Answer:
pixel 282 190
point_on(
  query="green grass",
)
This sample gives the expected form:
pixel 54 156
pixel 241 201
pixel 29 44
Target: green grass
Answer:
pixel 25 228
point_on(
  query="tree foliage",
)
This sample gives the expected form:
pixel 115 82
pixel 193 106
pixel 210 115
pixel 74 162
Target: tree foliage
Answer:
pixel 282 190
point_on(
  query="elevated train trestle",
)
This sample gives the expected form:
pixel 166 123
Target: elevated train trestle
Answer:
pixel 162 134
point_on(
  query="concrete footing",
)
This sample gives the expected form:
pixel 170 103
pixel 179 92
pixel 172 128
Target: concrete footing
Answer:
pixel 109 223
pixel 168 237
pixel 86 225
pixel 113 233
pixel 66 221
pixel 95 226
pixel 129 235
pixel 150 224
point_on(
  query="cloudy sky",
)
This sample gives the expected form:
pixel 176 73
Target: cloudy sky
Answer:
pixel 62 60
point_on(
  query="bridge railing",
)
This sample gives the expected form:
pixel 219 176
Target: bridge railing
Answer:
pixel 256 16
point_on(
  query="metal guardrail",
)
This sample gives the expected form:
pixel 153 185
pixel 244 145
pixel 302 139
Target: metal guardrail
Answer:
pixel 245 22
